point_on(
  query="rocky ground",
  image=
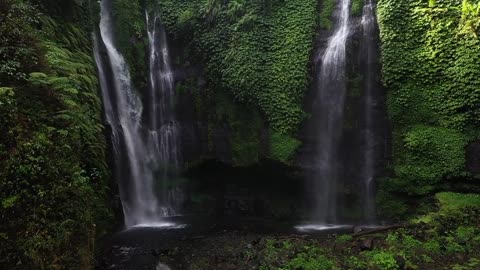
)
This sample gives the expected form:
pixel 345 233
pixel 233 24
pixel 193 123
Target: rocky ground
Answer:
pixel 418 246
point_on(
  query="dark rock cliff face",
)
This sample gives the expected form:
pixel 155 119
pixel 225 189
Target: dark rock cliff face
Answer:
pixel 206 134
pixel 198 143
pixel 473 157
pixel 194 141
pixel 214 182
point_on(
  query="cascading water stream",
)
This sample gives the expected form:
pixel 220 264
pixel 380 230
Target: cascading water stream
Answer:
pixel 330 107
pixel 137 154
pixel 163 131
pixel 369 51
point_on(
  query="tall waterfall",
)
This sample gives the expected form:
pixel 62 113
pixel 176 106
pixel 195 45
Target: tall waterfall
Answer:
pixel 163 129
pixel 330 109
pixel 138 149
pixel 370 55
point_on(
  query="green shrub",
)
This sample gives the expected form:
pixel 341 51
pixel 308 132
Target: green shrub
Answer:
pixel 430 154
pixel 343 238
pixel 432 245
pixel 282 146
pixel 384 260
pixel 355 263
pixel 409 243
pixel 326 13
pixel 450 201
pixel 303 261
pixel 466 234
pixel 471 264
pixel 357 7
pixel 452 246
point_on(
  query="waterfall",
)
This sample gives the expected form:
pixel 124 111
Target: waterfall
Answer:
pixel 370 55
pixel 330 108
pixel 136 155
pixel 163 131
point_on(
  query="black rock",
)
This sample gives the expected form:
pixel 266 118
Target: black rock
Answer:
pixel 366 244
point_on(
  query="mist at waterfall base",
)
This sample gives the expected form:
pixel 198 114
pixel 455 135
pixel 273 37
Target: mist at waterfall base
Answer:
pixel 143 130
pixel 333 156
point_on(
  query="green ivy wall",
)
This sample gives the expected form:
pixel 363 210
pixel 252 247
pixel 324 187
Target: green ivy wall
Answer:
pixel 431 68
pixel 255 51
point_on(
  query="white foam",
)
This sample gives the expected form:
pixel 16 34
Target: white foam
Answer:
pixel 321 227
pixel 168 225
pixel 162 266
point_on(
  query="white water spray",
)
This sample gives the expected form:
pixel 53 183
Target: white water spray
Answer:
pixel 331 101
pixel 139 150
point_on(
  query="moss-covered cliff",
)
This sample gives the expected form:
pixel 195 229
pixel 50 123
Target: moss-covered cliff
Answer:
pixel 53 176
pixel 431 68
pixel 255 56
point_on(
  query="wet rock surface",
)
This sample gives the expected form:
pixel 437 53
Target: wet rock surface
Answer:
pixel 194 243
pixel 238 244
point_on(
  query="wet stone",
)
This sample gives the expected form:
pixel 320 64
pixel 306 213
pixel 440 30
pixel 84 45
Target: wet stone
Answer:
pixel 357 229
pixel 366 244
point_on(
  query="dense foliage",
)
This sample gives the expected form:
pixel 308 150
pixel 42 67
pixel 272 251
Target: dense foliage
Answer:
pixel 256 50
pixel 431 68
pixel 53 176
pixel 130 37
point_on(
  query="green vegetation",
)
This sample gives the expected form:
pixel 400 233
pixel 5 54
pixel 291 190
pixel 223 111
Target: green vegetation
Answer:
pixel 449 202
pixel 255 59
pixel 282 146
pixel 256 50
pixel 244 129
pixel 446 242
pixel 431 68
pixel 383 260
pixel 53 179
pixel 443 243
pixel 328 6
pixel 301 257
pixel 430 154
pixel 131 38
pixel 344 238
pixel 357 7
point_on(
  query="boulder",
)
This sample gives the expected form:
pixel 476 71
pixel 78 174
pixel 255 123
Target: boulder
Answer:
pixel 366 244
pixel 357 229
